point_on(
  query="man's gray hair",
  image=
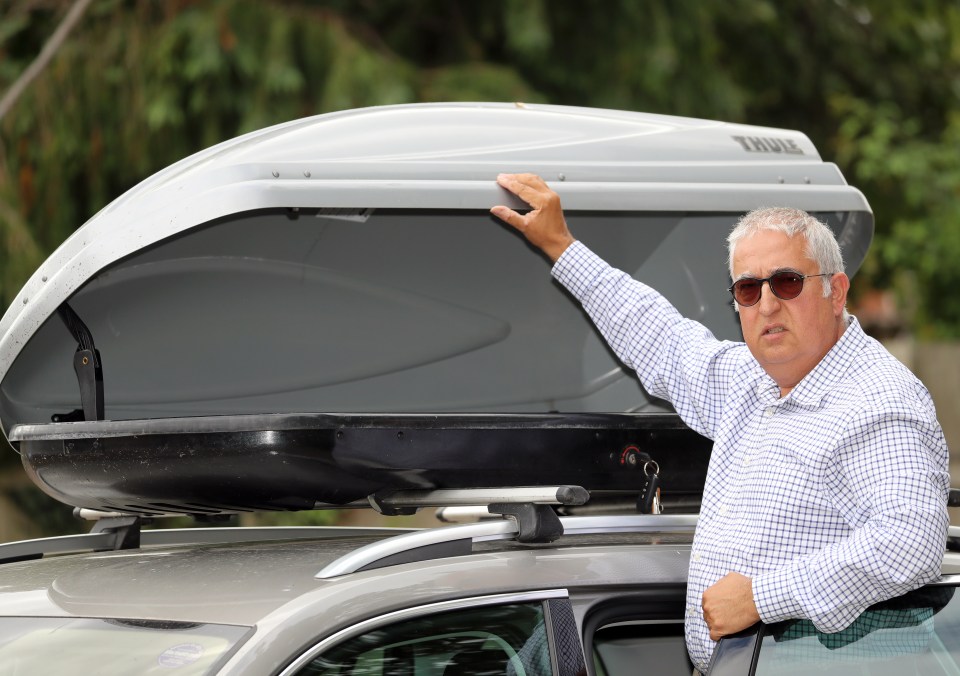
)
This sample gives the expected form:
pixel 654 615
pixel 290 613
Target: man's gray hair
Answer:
pixel 822 247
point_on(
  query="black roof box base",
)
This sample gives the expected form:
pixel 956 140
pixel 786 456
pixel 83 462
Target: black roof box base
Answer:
pixel 210 465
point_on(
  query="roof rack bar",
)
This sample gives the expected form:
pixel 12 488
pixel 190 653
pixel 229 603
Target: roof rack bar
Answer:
pixel 537 495
pixel 86 514
pixel 408 501
pixel 465 514
pixel 367 557
pixel 528 505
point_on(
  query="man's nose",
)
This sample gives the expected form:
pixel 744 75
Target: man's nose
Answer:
pixel 768 300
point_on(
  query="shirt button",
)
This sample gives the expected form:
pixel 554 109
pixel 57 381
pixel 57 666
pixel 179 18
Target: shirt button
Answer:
pixel 770 411
pixel 723 511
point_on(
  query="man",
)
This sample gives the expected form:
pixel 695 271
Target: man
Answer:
pixel 828 479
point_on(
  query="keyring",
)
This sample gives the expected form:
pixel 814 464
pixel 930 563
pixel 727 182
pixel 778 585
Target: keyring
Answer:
pixel 656 467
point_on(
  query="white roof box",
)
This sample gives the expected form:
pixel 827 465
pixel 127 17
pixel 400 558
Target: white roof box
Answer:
pixel 347 263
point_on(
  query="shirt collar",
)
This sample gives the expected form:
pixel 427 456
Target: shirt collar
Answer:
pixel 834 365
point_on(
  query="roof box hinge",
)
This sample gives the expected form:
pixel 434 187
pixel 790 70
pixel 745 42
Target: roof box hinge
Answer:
pixel 88 367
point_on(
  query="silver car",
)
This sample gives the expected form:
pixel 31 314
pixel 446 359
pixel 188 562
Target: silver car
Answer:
pixel 467 599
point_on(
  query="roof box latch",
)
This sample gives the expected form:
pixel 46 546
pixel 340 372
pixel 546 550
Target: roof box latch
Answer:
pixel 86 363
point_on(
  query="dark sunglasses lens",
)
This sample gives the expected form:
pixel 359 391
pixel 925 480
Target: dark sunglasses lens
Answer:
pixel 786 285
pixel 747 291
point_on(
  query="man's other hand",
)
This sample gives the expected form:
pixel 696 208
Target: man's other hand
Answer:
pixel 728 605
pixel 544 227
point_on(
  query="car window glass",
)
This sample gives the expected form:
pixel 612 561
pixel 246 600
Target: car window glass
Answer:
pixel 54 645
pixel 641 648
pixel 508 640
pixel 918 633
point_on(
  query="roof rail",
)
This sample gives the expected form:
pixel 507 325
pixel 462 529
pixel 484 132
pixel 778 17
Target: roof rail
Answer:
pixel 458 540
pixel 107 541
pixel 534 521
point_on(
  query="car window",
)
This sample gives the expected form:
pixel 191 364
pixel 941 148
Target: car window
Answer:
pixel 641 648
pixel 918 633
pixel 56 645
pixel 507 640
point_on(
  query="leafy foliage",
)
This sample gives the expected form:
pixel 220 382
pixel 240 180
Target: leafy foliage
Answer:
pixel 143 83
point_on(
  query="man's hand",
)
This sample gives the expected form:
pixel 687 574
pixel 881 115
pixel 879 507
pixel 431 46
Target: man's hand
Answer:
pixel 545 226
pixel 728 605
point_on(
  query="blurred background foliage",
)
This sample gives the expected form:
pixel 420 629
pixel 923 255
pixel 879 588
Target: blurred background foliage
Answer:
pixel 139 84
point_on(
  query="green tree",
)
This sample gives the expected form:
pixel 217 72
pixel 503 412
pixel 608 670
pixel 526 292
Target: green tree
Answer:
pixel 142 83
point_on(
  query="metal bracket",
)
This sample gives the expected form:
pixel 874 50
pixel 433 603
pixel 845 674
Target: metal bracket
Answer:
pixel 86 364
pixel 385 503
pixel 535 523
pixel 125 529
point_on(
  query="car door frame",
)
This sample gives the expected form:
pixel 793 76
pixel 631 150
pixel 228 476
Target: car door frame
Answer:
pixel 562 635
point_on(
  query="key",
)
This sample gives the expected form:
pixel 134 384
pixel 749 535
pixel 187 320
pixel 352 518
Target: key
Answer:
pixel 649 500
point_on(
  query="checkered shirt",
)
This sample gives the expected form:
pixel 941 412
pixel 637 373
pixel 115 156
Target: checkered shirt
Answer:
pixel 831 498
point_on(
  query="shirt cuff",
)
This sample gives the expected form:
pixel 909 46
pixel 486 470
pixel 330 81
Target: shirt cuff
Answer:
pixel 577 270
pixel 773 596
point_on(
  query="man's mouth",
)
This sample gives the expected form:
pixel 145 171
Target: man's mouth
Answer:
pixel 773 329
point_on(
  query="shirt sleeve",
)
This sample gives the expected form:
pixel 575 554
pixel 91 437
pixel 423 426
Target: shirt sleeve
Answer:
pixel 890 482
pixel 676 359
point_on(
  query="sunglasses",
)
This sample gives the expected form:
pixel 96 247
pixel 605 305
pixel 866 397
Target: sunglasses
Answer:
pixel 786 285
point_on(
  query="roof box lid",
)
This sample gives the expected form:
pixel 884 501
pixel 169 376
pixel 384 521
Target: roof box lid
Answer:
pixel 347 262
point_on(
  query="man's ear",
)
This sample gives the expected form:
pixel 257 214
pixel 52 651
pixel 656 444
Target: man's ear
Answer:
pixel 839 287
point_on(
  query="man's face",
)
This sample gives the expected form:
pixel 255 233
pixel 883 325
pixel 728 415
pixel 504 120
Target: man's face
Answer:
pixel 788 337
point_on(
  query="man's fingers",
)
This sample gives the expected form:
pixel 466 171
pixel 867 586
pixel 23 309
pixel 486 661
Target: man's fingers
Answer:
pixel 528 180
pixel 528 187
pixel 509 216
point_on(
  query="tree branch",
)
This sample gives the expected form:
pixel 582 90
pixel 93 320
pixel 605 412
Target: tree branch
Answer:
pixel 46 54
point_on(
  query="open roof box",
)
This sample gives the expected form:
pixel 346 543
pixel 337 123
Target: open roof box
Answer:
pixel 325 309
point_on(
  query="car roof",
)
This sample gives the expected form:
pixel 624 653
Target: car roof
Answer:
pixel 282 576
pixel 248 583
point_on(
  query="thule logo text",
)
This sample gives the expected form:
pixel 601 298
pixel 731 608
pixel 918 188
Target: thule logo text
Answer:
pixel 766 144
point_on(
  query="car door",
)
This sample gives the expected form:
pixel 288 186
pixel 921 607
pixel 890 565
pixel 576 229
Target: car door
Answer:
pixel 637 631
pixel 917 633
pixel 531 634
